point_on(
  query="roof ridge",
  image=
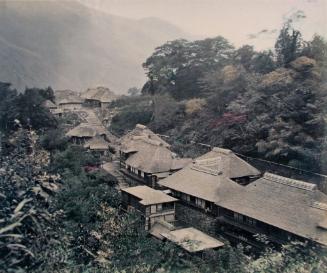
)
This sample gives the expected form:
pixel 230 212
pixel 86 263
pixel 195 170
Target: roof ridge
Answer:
pixel 290 182
pixel 204 169
pixel 222 151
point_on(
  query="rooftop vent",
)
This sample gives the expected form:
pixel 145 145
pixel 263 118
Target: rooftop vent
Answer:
pixel 204 169
pixel 290 182
pixel 222 151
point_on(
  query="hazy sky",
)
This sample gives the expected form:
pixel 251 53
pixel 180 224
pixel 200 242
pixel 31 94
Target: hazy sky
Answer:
pixel 234 19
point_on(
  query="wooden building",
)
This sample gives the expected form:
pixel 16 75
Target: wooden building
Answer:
pixel 50 105
pixel 85 132
pixel 210 176
pixel 68 100
pixel 153 205
pixel 241 204
pixel 282 208
pixel 99 97
pixel 53 108
pixel 98 145
pixel 146 158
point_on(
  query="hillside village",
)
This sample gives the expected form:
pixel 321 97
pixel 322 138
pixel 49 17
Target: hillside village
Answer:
pixel 217 164
pixel 197 203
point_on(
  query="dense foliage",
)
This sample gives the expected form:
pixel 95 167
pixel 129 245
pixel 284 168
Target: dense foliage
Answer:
pixel 26 108
pixel 263 104
pixel 60 213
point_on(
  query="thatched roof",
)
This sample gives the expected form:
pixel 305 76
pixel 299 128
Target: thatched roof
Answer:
pixel 152 157
pixel 101 94
pixel 97 143
pixel 49 104
pixel 209 176
pixel 295 206
pixel 67 97
pixel 225 162
pixel 192 240
pixel 140 132
pixel 204 185
pixel 90 130
pixel 149 196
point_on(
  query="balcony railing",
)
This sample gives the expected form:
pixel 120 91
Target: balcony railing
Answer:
pixel 250 228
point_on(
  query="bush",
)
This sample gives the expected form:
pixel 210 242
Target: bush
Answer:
pixel 194 105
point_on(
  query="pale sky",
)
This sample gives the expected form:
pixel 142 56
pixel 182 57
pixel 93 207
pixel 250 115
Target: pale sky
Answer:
pixel 233 19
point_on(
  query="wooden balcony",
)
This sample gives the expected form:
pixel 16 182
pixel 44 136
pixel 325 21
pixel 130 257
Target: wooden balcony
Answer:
pixel 249 228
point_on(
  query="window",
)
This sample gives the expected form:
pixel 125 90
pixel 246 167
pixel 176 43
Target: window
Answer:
pixel 192 199
pixel 153 209
pixel 207 205
pixel 177 194
pixel 159 207
pixel 238 217
pixel 147 210
pixel 250 221
pixel 168 206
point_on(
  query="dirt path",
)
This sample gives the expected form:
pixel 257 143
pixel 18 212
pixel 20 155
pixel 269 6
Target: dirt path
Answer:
pixel 113 169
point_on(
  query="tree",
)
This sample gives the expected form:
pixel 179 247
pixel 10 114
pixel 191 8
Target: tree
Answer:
pixel 263 62
pixel 27 108
pixel 288 45
pixel 134 91
pixel 176 66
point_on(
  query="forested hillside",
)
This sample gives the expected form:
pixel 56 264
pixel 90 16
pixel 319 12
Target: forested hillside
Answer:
pixel 269 104
pixel 59 215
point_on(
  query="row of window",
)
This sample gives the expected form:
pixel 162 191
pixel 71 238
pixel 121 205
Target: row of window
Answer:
pixel 159 208
pixel 193 200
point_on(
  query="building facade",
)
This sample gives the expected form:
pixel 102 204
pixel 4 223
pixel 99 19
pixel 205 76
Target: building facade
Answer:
pixel 153 205
pixel 241 204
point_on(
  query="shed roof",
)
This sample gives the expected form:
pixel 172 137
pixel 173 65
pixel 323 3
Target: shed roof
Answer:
pixel 100 93
pixel 192 240
pixel 97 143
pixel 149 196
pixel 160 227
pixel 50 104
pixel 291 205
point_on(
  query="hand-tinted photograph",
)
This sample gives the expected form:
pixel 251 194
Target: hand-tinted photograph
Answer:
pixel 163 136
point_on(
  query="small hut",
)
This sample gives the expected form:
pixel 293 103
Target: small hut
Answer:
pixel 68 100
pixel 85 132
pixel 98 97
pixel 98 145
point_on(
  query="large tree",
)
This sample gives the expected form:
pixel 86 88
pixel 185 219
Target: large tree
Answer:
pixel 288 45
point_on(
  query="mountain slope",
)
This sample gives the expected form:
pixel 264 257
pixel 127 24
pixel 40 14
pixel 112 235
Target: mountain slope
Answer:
pixel 67 45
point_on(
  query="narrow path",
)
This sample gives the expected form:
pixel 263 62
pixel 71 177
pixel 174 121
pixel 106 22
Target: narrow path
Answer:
pixel 113 169
pixel 88 115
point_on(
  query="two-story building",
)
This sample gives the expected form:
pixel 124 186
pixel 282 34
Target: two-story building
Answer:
pixel 146 158
pixel 220 192
pixel 153 205
pixel 279 207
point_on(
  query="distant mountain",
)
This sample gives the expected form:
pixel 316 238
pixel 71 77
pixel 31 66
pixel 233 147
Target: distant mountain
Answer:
pixel 69 46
